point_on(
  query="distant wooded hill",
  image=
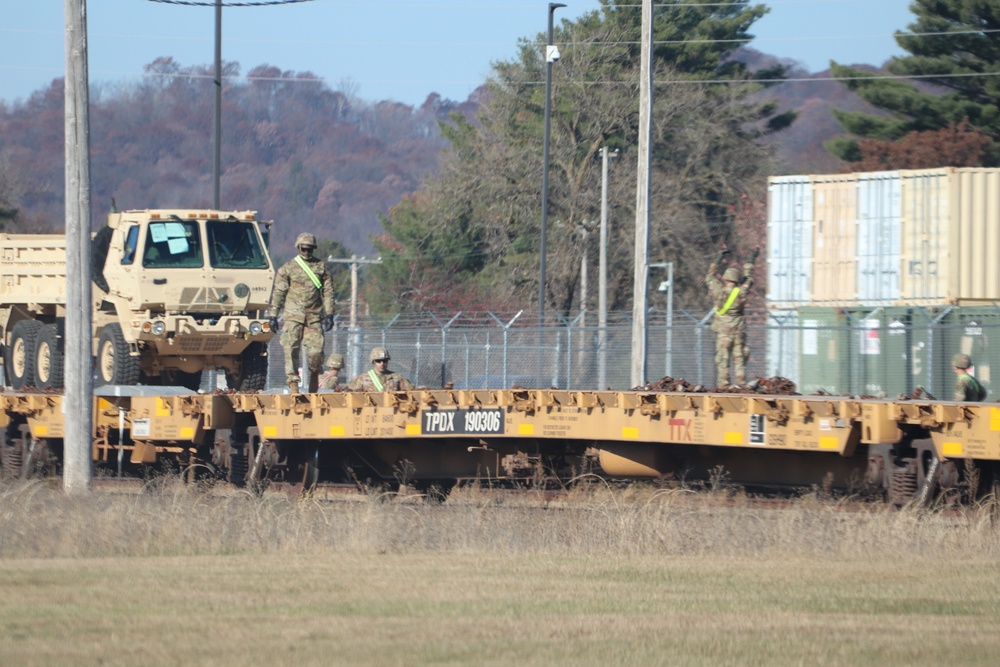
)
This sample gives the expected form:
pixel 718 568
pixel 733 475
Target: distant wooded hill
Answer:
pixel 310 157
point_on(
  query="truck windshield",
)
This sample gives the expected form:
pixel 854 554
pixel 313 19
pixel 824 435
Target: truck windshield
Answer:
pixel 235 245
pixel 172 244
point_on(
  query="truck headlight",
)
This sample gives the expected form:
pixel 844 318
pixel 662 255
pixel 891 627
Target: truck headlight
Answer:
pixel 159 327
pixel 256 328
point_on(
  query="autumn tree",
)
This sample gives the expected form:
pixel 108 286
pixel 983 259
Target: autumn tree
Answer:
pixel 958 145
pixel 480 217
pixel 955 52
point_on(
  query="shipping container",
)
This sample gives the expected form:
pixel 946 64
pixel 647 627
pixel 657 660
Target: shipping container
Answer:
pixel 926 238
pixel 835 214
pixel 951 236
pixel 790 242
pixel 878 238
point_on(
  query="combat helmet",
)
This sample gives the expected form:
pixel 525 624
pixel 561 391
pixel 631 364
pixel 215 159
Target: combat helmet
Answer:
pixel 733 274
pixel 335 361
pixel 305 238
pixel 379 353
pixel 961 361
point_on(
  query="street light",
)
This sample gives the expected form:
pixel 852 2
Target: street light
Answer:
pixel 668 287
pixel 551 55
pixel 217 79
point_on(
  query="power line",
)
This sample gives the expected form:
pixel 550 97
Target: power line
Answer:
pixel 206 3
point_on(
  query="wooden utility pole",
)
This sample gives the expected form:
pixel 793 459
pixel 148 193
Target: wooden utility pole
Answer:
pixel 78 397
pixel 642 198
pixel 355 262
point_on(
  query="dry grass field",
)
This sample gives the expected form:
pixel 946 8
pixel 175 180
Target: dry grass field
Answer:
pixel 178 575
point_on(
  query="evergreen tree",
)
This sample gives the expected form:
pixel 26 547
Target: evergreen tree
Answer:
pixel 955 47
pixel 477 225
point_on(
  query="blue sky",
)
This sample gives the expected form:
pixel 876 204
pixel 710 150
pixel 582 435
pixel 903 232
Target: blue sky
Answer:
pixel 387 50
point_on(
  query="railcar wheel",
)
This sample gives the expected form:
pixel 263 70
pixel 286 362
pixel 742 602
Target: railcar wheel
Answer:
pixel 114 363
pixel 20 361
pixel 50 358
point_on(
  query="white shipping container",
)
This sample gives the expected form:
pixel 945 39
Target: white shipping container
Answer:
pixel 879 238
pixel 789 232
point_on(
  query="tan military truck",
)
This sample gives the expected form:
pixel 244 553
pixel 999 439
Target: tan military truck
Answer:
pixel 175 292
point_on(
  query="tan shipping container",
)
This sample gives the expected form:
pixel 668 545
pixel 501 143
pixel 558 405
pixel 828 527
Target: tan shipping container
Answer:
pixel 835 214
pixel 950 237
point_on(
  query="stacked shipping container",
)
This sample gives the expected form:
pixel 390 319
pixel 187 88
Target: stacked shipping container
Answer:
pixel 869 266
pixel 896 238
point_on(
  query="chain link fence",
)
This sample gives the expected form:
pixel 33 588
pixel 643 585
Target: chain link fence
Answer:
pixel 882 352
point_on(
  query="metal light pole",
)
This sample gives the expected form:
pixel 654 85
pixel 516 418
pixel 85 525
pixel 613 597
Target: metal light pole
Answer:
pixel 669 342
pixel 217 126
pixel 551 55
pixel 217 131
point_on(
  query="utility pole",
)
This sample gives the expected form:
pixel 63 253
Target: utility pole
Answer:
pixel 78 397
pixel 355 262
pixel 642 198
pixel 602 279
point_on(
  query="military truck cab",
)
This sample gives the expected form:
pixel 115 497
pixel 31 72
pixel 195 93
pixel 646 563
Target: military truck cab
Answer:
pixel 175 292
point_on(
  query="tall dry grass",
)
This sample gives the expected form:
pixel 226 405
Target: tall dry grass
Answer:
pixel 170 518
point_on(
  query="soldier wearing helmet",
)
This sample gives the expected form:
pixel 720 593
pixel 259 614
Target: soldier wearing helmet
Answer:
pixel 331 378
pixel 379 377
pixel 967 388
pixel 304 291
pixel 729 296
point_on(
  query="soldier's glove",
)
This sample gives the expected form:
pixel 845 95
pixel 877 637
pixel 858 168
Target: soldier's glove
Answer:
pixel 753 255
pixel 327 322
pixel 273 321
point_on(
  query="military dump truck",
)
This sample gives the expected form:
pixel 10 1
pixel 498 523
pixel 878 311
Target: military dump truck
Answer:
pixel 175 292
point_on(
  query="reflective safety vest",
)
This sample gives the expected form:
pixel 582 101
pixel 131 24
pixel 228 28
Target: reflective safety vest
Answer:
pixel 729 302
pixel 309 272
pixel 378 383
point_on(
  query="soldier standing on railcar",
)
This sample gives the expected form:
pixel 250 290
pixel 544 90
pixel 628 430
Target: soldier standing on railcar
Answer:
pixel 379 377
pixel 730 297
pixel 304 291
pixel 967 388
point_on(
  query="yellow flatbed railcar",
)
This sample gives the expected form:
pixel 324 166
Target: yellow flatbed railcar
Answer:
pixel 905 448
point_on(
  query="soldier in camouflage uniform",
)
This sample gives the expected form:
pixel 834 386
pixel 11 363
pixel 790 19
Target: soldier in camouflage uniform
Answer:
pixel 967 388
pixel 380 378
pixel 331 378
pixel 304 291
pixel 729 296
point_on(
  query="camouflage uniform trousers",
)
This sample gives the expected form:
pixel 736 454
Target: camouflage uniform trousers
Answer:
pixel 732 345
pixel 296 336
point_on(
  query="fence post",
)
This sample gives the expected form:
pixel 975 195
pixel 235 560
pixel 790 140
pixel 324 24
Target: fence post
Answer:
pixel 444 343
pixel 702 323
pixel 506 328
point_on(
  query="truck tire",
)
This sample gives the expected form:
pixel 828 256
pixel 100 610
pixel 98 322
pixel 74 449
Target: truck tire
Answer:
pixel 253 370
pixel 20 361
pixel 50 359
pixel 114 363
